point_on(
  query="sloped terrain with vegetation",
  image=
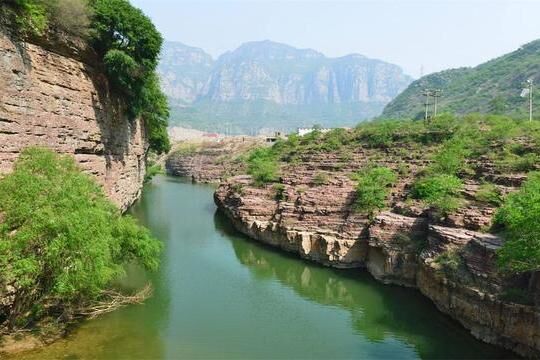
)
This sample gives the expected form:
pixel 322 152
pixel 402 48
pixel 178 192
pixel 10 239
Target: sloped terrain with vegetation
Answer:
pixel 492 87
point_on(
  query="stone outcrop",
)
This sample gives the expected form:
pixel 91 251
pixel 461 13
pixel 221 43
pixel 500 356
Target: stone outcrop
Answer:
pixel 210 161
pixel 60 100
pixel 311 213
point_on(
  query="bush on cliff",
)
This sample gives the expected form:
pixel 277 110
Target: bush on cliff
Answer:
pixel 33 17
pixel 130 46
pixel 263 165
pixel 125 39
pixel 373 188
pixel 519 218
pixel 439 191
pixel 61 240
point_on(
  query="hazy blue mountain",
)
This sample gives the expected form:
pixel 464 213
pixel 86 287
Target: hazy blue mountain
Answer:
pixel 184 71
pixel 275 86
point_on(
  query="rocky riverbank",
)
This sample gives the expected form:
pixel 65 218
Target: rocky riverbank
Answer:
pixel 210 160
pixel 450 260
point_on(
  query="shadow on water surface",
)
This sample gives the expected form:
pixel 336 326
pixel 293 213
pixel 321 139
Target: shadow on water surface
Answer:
pixel 378 311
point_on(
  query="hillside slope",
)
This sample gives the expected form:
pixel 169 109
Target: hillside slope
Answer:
pixel 491 87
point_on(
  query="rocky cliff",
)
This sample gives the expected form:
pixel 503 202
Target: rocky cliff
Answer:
pixel 210 161
pixel 279 86
pixel 448 259
pixel 57 97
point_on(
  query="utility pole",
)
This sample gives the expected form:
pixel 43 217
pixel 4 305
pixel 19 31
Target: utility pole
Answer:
pixel 530 83
pixel 436 94
pixel 427 94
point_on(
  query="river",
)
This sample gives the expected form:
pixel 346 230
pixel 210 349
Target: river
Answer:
pixel 220 295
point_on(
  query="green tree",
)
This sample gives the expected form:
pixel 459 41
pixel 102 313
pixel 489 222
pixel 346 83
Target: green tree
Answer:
pixel 61 240
pixel 130 46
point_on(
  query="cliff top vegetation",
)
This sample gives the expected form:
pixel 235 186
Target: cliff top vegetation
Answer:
pixel 454 151
pixel 125 40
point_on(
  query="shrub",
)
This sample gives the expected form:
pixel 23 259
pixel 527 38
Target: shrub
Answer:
pixel 320 178
pixel 372 189
pixel 31 16
pixel 489 194
pixel 71 16
pixel 451 158
pixel 61 240
pixel 518 217
pixel 279 192
pixel 152 169
pixel 263 166
pixel 439 191
pixel 449 261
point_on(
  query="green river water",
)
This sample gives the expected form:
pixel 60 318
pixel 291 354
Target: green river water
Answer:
pixel 220 295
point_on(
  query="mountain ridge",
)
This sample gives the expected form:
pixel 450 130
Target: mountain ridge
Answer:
pixel 277 85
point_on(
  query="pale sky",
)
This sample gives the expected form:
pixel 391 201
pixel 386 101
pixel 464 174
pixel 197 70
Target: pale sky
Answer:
pixel 433 34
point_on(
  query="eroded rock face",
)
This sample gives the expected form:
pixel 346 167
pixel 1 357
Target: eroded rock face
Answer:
pixel 448 260
pixel 56 101
pixel 210 161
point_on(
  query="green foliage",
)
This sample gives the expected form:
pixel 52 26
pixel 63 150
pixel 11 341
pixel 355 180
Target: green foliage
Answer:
pixel 263 166
pixel 373 188
pixel 238 188
pixel 61 240
pixel 123 36
pixel 440 191
pixel 449 261
pixel 451 158
pixel 518 217
pixel 320 178
pixel 34 17
pixel 491 87
pixel 152 169
pixel 489 194
pixel 130 45
pixel 31 16
pixel 279 192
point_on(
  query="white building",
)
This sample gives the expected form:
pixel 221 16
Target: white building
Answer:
pixel 305 131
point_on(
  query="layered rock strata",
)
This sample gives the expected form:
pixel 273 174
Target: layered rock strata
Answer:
pixel 448 259
pixel 57 97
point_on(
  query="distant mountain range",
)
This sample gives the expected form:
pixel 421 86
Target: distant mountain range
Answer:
pixel 267 85
pixel 492 87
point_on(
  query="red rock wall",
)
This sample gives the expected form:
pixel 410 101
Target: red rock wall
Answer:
pixel 56 101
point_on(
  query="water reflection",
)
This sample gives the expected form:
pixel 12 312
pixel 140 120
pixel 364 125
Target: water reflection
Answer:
pixel 378 312
pixel 219 295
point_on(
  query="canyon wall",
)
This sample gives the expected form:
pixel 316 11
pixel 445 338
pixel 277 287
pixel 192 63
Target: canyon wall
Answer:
pixel 55 96
pixel 449 260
